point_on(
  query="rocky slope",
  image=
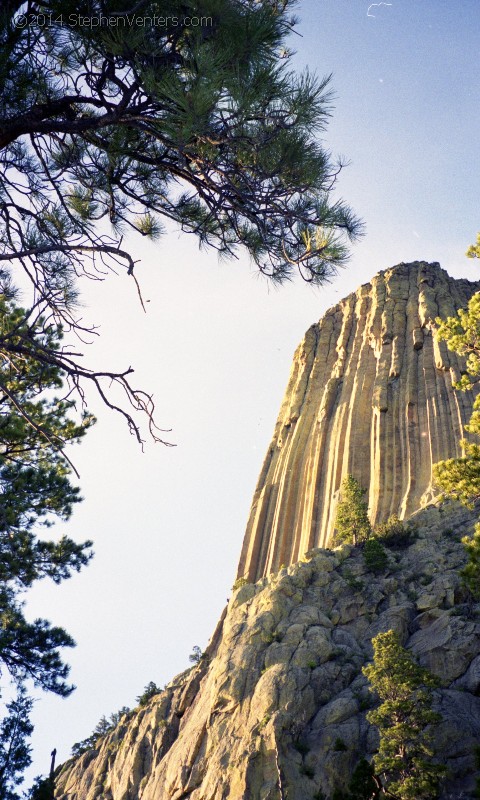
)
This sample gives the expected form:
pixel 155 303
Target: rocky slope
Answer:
pixel 276 710
pixel 370 394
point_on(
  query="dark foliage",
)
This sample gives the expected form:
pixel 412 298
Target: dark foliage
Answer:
pixel 114 127
pixel 35 489
pixel 374 555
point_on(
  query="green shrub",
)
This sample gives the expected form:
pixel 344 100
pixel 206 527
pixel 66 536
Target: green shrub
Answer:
pixel 301 747
pixel 339 745
pixel 427 580
pixel 309 772
pixel 354 583
pixel 268 637
pixel 471 572
pixel 374 555
pixel 238 583
pixel 362 785
pixel 393 533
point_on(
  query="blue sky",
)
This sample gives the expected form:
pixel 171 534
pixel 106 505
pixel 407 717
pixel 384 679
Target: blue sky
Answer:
pixel 217 343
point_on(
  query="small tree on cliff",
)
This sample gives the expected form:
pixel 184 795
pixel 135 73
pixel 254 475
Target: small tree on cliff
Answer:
pixel 351 523
pixel 403 762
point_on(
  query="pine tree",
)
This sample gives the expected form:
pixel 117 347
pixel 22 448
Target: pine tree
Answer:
pixel 460 477
pixel 393 532
pixel 474 249
pixel 34 469
pixel 105 726
pixel 404 721
pixel 151 689
pixel 35 426
pixel 363 784
pixel 351 523
pixel 131 122
pixel 471 572
pixel 375 556
pixel 15 729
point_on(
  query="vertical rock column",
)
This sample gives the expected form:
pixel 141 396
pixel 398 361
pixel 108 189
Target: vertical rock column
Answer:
pixel 370 393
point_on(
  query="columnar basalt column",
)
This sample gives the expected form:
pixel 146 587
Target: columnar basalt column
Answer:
pixel 370 393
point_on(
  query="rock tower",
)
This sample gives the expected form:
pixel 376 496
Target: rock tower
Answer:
pixel 277 705
pixel 370 393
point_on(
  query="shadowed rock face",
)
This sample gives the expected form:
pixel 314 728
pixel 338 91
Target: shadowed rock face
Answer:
pixel 370 394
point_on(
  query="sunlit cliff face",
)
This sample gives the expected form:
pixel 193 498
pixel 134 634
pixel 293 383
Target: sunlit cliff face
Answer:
pixel 370 394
